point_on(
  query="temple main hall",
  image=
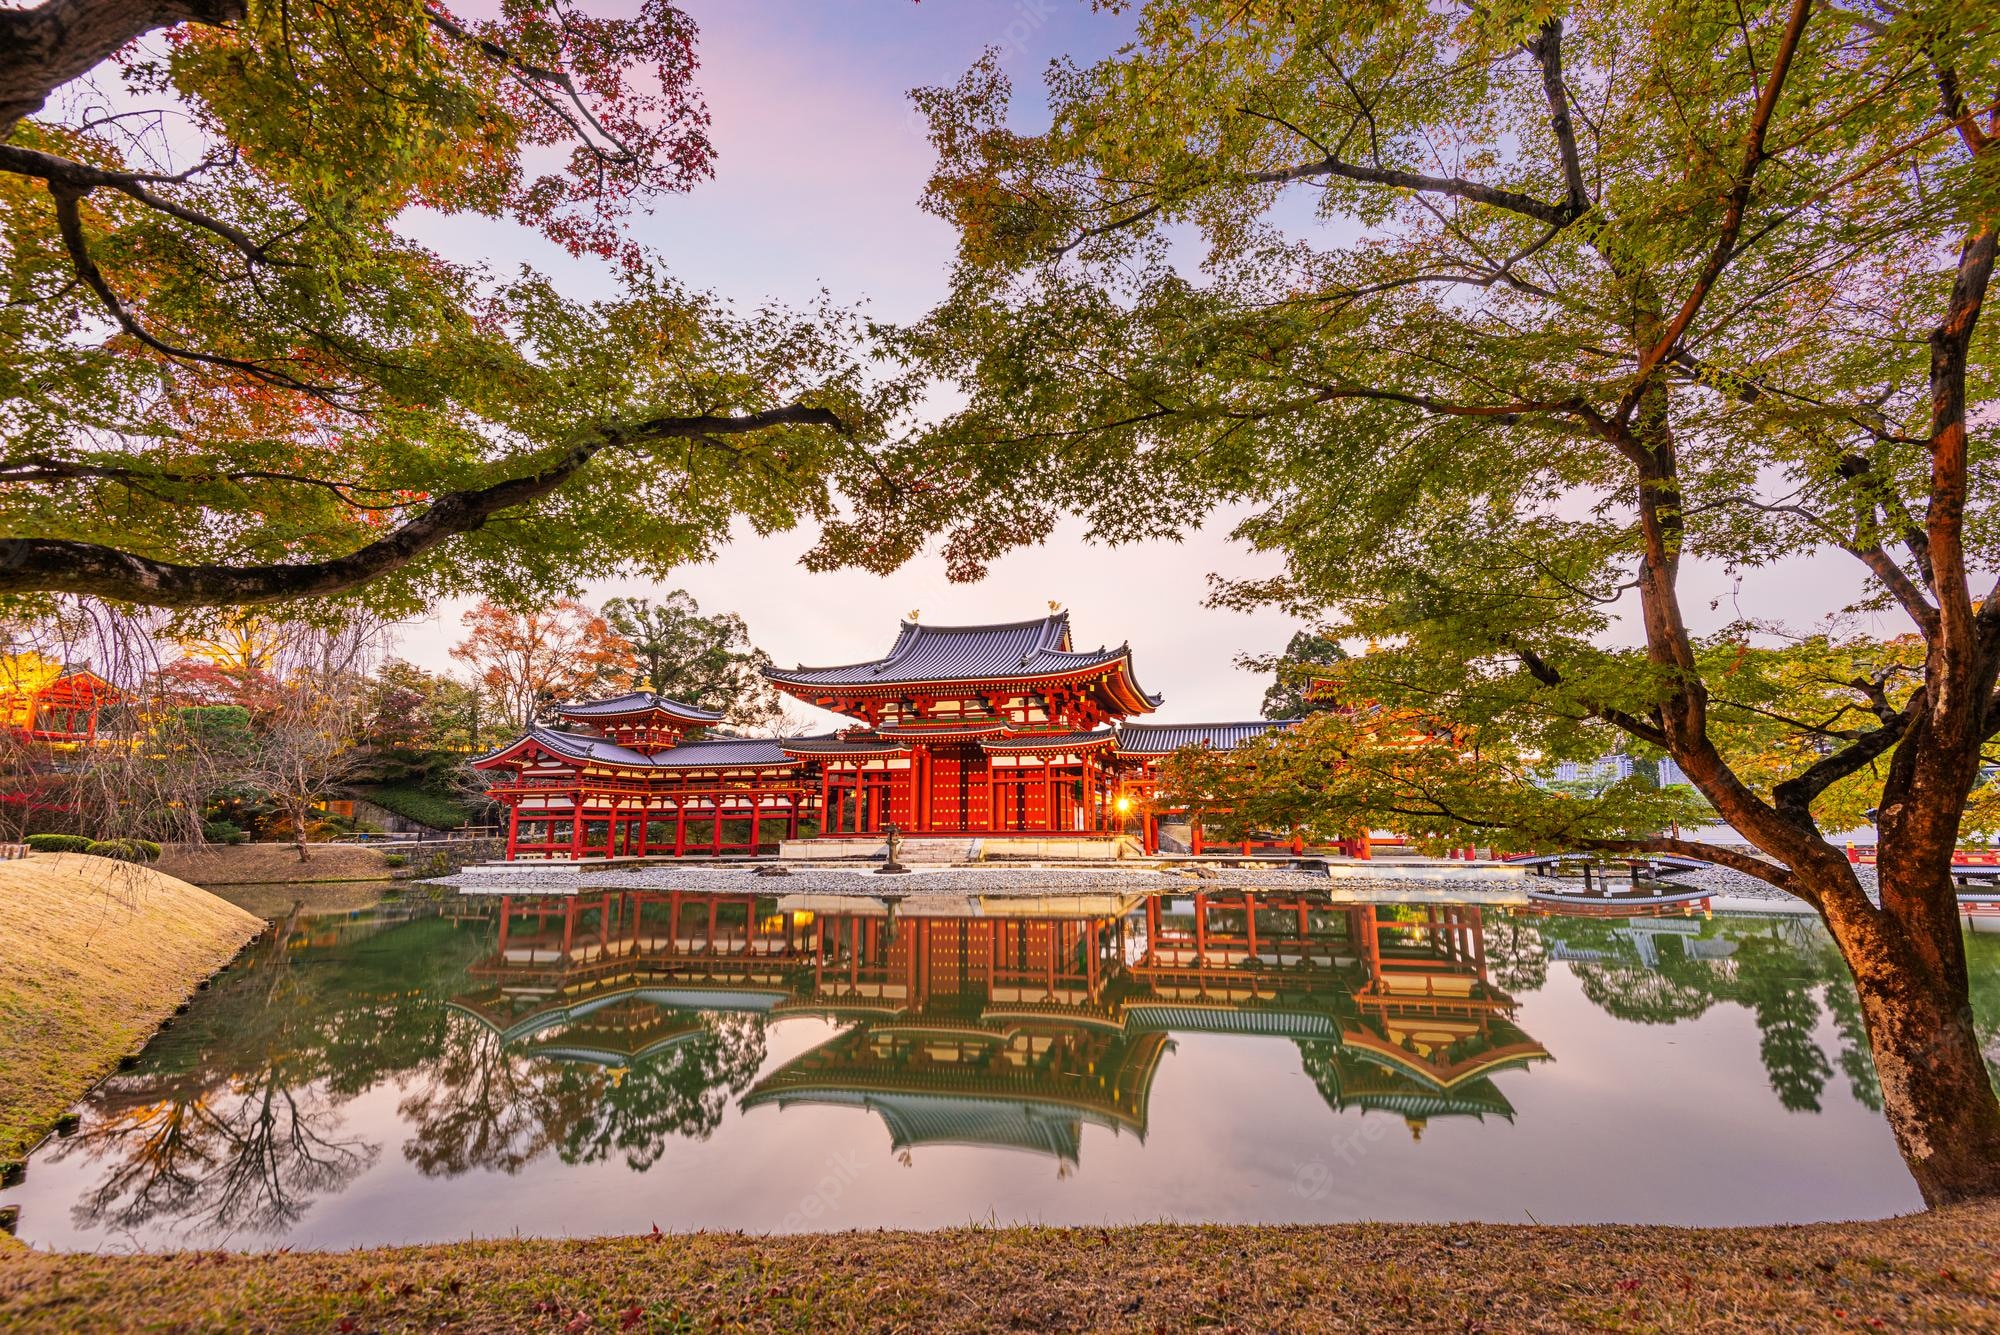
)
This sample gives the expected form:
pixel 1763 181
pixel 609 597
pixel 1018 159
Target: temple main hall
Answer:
pixel 1003 732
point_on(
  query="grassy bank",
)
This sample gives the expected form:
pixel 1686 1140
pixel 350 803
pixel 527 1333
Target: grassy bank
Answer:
pixel 93 955
pixel 1928 1272
pixel 275 864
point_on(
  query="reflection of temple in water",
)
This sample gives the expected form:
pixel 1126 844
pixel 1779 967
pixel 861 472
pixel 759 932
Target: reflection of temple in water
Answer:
pixel 1013 1023
pixel 972 1030
pixel 616 978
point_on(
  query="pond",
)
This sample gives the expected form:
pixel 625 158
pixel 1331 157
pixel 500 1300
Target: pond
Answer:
pixel 604 1064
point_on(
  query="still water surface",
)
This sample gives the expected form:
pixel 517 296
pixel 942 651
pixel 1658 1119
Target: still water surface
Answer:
pixel 601 1065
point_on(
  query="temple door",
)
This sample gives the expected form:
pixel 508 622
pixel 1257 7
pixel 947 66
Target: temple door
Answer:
pixel 961 790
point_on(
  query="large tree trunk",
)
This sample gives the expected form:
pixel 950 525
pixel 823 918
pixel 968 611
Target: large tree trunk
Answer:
pixel 1911 977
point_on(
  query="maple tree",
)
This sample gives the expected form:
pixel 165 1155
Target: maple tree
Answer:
pixel 232 378
pixel 1498 317
pixel 527 661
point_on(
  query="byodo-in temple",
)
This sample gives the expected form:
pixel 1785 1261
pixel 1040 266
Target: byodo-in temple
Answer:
pixel 1013 1024
pixel 1004 733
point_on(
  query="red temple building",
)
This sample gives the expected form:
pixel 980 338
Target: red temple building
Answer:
pixel 631 778
pixel 972 730
pixel 993 732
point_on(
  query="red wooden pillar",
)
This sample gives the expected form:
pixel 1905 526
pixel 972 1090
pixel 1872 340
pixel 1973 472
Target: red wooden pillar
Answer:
pixel 645 822
pixel 1194 835
pixel 756 816
pixel 715 835
pixel 513 826
pixel 576 824
pixel 1048 793
pixel 680 824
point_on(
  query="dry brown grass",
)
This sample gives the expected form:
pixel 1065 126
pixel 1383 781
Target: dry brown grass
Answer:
pixel 93 955
pixel 273 864
pixel 1925 1272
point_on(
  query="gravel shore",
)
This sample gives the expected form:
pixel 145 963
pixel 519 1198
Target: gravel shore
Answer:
pixel 780 879
pixel 1003 881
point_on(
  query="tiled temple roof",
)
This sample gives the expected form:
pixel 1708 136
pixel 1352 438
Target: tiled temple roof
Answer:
pixel 836 745
pixel 637 702
pixel 1049 741
pixel 967 731
pixel 720 752
pixel 711 753
pixel 1130 739
pixel 1038 648
pixel 1159 739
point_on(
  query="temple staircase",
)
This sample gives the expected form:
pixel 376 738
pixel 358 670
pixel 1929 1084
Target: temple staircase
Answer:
pixel 932 851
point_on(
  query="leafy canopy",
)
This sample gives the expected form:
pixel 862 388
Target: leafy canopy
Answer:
pixel 705 661
pixel 1500 313
pixel 228 375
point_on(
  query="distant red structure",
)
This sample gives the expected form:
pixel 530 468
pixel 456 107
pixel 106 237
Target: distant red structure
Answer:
pixel 1001 730
pixel 46 701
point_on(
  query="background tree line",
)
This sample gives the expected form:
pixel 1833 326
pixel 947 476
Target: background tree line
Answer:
pixel 245 725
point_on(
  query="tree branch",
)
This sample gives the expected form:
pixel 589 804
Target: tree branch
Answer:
pixel 43 48
pixel 1545 673
pixel 81 179
pixel 1732 222
pixel 1547 51
pixel 62 566
pixel 1456 186
pixel 69 222
pixel 1794 797
pixel 1735 859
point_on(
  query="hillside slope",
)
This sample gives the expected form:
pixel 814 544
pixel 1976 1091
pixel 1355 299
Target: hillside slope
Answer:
pixel 93 955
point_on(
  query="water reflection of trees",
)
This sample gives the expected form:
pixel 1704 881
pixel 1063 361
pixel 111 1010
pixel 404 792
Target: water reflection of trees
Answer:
pixel 253 1161
pixel 1784 970
pixel 484 1105
pixel 1982 957
pixel 681 1094
pixel 236 1120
